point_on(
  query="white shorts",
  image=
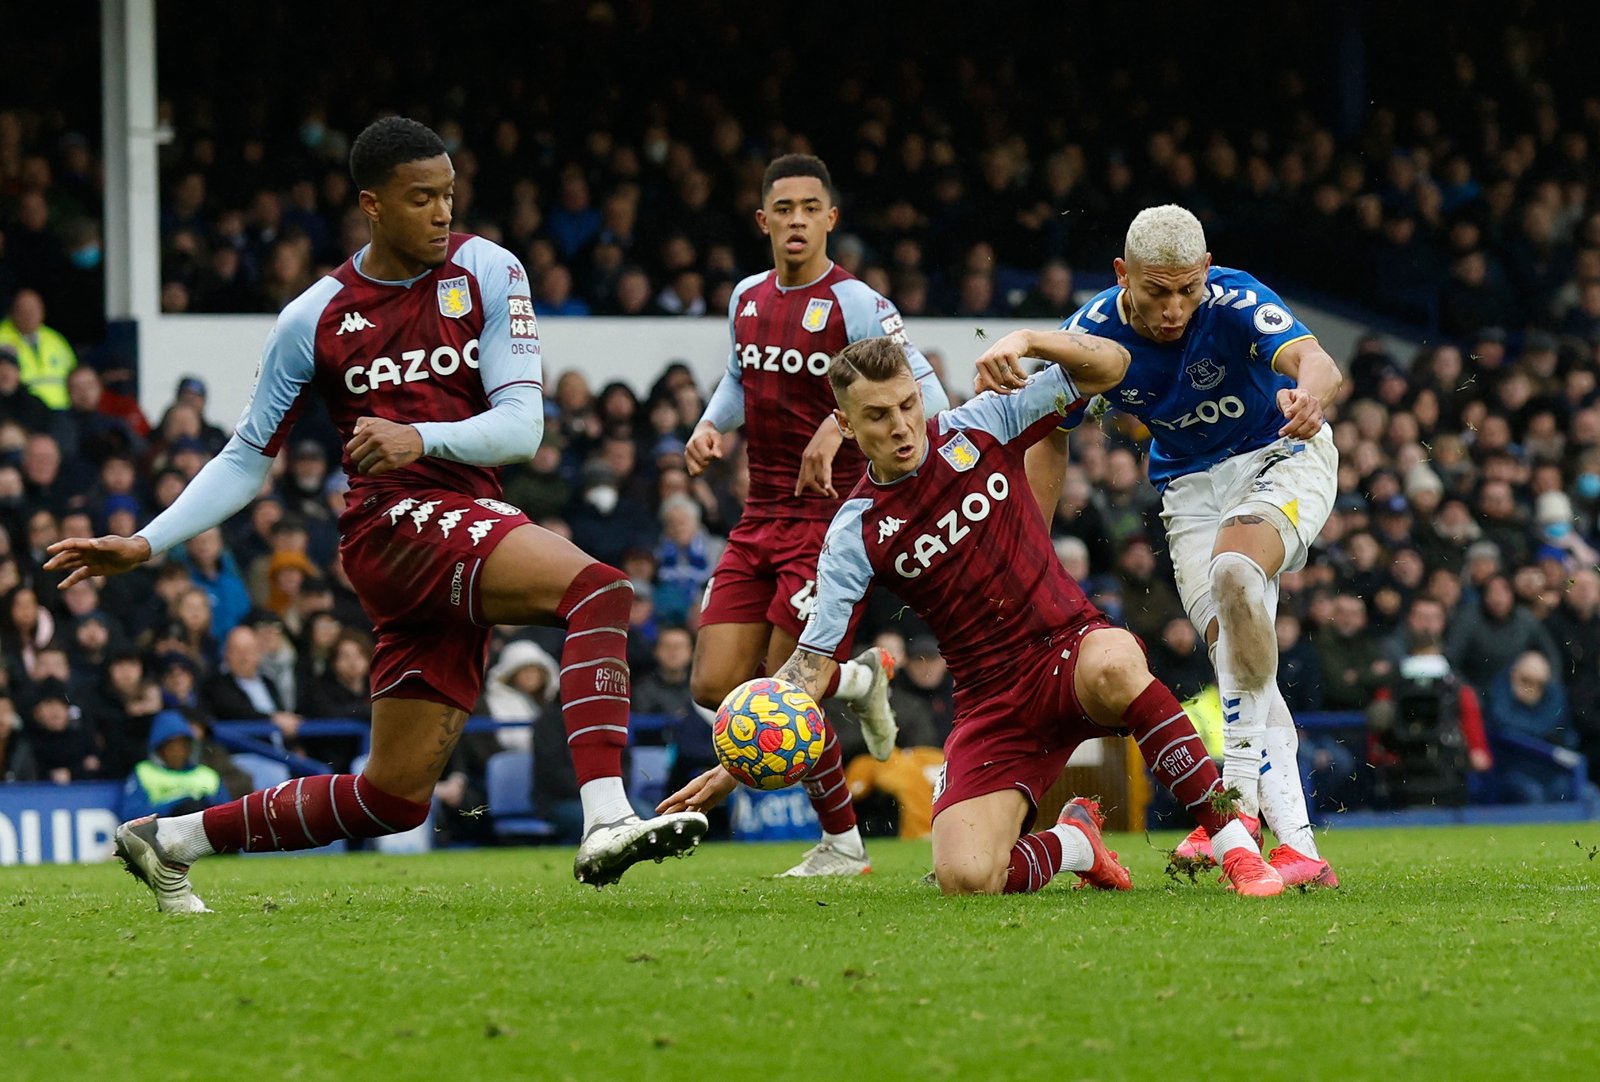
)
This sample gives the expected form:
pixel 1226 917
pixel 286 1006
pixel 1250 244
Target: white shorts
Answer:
pixel 1289 483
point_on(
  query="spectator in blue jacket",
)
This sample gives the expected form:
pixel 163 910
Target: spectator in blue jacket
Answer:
pixel 1527 701
pixel 213 569
pixel 171 781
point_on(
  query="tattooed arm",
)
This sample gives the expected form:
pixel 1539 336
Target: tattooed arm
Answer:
pixel 808 670
pixel 1095 364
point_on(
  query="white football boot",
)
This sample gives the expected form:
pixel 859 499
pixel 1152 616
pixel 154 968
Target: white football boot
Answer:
pixel 826 859
pixel 612 848
pixel 877 716
pixel 147 862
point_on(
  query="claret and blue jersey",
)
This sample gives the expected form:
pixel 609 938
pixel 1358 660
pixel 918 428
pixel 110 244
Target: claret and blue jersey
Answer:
pixel 1212 394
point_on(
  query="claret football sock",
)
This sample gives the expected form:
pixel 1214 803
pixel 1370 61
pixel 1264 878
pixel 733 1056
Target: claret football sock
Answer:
pixel 1176 755
pixel 829 794
pixel 304 813
pixel 594 671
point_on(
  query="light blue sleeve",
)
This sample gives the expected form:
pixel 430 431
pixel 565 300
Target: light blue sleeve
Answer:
pixel 725 411
pixel 231 480
pixel 509 363
pixel 1007 416
pixel 869 314
pixel 843 576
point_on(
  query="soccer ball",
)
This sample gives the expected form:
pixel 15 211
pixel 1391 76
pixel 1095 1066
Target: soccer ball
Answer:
pixel 768 733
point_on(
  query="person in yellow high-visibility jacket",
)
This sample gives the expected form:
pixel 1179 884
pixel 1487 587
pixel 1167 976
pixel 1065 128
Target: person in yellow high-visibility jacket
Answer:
pixel 45 357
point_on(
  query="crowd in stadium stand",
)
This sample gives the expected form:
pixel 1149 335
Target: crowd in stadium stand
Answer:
pixel 1470 473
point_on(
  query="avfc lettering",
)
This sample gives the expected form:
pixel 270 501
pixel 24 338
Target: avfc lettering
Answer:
pixel 954 526
pixel 778 359
pixel 414 365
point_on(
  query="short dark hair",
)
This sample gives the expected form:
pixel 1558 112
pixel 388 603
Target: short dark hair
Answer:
pixel 874 359
pixel 387 144
pixel 796 165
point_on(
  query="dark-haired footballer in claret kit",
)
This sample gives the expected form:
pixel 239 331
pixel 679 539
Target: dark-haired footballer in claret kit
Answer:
pixel 786 325
pixel 945 515
pixel 425 348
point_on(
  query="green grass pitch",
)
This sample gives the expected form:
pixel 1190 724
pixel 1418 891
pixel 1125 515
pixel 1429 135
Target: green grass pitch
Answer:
pixel 1450 953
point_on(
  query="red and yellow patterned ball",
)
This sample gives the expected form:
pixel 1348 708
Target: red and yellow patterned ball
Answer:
pixel 768 733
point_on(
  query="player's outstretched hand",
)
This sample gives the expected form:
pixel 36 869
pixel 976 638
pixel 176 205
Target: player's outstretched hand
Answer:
pixel 92 557
pixel 1000 367
pixel 816 464
pixel 702 794
pixel 1302 411
pixel 703 446
pixel 379 446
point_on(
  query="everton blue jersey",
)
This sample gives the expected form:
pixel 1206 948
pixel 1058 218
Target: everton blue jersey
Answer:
pixel 1213 393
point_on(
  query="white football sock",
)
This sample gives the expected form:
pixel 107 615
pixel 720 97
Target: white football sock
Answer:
pixel 848 842
pixel 1246 659
pixel 1077 855
pixel 855 681
pixel 1283 797
pixel 183 837
pixel 604 801
pixel 1231 837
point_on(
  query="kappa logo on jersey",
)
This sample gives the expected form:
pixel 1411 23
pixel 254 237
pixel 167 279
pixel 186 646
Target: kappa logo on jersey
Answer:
pixel 450 520
pixel 1270 319
pixel 399 509
pixel 955 526
pixel 455 298
pixel 422 513
pixel 817 312
pixel 1205 374
pixel 497 507
pixel 749 309
pixel 524 324
pixel 883 304
pixel 514 274
pixel 354 321
pixel 455 581
pixel 960 453
pixel 889 527
pixel 481 529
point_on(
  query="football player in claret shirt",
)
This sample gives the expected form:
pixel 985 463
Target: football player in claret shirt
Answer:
pixel 425 348
pixel 786 325
pixel 945 514
pixel 1232 387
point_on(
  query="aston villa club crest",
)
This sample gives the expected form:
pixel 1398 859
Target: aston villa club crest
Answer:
pixel 817 312
pixel 455 298
pixel 1205 374
pixel 960 453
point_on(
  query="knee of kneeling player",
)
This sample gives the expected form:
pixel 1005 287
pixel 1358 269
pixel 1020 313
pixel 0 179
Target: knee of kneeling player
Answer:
pixel 970 876
pixel 1116 678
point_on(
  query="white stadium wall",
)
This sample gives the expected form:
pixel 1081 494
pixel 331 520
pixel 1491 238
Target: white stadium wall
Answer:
pixel 223 351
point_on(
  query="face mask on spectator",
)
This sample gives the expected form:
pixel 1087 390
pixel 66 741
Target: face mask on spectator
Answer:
pixel 1554 531
pixel 1589 485
pixel 86 258
pixel 311 134
pixel 603 498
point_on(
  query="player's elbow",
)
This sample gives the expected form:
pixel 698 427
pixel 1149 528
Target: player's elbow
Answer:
pixel 1105 369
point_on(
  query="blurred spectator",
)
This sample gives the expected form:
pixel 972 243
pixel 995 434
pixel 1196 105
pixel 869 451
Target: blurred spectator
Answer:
pixel 1484 639
pixel 1528 700
pixel 1178 659
pixel 239 693
pixel 1353 665
pixel 171 780
pixel 928 678
pixel 63 747
pixel 43 355
pixel 686 557
pixel 214 571
pixel 1150 601
pixel 1575 629
pixel 343 690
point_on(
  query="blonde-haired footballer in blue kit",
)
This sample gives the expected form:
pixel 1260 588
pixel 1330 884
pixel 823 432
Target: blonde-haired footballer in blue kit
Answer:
pixel 1232 387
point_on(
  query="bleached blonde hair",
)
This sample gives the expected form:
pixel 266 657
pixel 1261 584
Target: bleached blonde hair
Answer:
pixel 1165 236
